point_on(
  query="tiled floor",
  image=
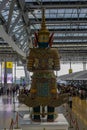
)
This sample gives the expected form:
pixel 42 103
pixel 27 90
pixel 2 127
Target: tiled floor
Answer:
pixel 9 108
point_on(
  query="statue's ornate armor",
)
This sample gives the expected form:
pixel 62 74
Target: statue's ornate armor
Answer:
pixel 42 62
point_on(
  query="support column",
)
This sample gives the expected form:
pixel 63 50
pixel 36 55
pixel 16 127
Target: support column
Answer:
pixel 5 75
pixel 27 76
pixel 15 73
pixel 84 65
pixel 56 73
pixel 1 74
pixel 70 70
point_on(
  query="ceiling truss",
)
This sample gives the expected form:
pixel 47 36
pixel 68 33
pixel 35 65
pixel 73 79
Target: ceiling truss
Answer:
pixel 19 19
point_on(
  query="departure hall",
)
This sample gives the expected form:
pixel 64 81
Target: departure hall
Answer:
pixel 43 55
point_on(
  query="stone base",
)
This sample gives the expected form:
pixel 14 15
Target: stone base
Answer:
pixel 60 123
pixel 13 129
pixel 17 129
pixel 26 117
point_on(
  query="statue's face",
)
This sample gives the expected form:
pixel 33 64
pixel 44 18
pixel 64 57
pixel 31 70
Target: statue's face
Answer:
pixel 43 38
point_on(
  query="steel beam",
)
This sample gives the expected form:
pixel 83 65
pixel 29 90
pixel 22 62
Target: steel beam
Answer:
pixel 10 14
pixel 57 4
pixel 15 22
pixel 24 13
pixel 82 38
pixel 59 20
pixel 16 31
pixel 2 4
pixel 70 37
pixel 10 41
pixel 70 43
pixel 66 32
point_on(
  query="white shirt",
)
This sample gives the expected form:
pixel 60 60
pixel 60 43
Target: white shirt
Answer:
pixel 70 98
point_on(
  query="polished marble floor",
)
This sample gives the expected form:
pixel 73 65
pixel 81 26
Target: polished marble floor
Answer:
pixel 9 107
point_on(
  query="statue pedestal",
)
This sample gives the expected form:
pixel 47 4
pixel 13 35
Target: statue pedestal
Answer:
pixel 17 129
pixel 13 129
pixel 60 123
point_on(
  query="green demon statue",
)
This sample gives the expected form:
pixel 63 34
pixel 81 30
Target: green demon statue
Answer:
pixel 43 61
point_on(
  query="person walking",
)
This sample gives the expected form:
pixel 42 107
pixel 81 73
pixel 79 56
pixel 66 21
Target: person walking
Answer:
pixel 70 101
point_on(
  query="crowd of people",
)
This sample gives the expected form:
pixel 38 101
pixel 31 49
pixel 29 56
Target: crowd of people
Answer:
pixel 71 89
pixel 12 90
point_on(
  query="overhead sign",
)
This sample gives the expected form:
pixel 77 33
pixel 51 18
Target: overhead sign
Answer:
pixel 9 64
pixel 70 71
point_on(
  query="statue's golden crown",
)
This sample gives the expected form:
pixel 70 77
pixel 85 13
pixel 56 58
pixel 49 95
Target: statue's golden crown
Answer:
pixel 43 34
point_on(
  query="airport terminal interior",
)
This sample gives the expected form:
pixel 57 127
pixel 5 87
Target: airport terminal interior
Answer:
pixel 37 37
